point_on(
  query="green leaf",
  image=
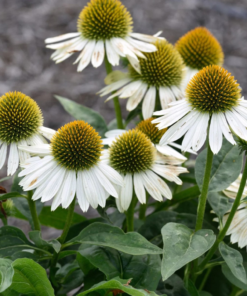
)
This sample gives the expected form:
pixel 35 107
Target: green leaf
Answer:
pixel 80 112
pixel 151 229
pixel 35 236
pixel 118 284
pixel 109 236
pixel 227 165
pixel 174 286
pixel 11 195
pixel 219 203
pixel 114 263
pixel 6 274
pixel 182 245
pixel 204 293
pixel 192 289
pixel 231 277
pixel 234 260
pixel 57 218
pixel 30 278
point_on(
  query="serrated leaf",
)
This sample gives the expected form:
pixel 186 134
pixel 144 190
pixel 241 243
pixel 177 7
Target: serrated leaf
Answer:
pixel 227 165
pixel 30 278
pixel 80 112
pixel 110 236
pixel 182 245
pixel 234 260
pixel 6 274
pixel 118 284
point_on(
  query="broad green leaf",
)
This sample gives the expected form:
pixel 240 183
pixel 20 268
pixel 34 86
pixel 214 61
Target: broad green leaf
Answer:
pixel 6 274
pixel 81 112
pixel 118 284
pixel 109 236
pixel 35 236
pixel 30 278
pixel 13 240
pixel 182 245
pixel 232 278
pixel 219 203
pixel 114 263
pixel 151 229
pixel 57 219
pixel 10 292
pixel 174 286
pixel 227 165
pixel 234 260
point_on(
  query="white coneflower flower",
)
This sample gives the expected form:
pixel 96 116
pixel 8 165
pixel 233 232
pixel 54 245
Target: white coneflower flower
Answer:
pixel 232 190
pixel 104 26
pixel 20 124
pixel 161 76
pixel 199 49
pixel 71 165
pixel 134 156
pixel 213 98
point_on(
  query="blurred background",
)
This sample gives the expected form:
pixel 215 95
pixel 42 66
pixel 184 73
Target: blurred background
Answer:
pixel 25 63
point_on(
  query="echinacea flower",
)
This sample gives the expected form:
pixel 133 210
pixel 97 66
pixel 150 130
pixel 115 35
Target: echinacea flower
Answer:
pixel 212 99
pixel 71 165
pixel 161 76
pixel 134 156
pixel 238 227
pixel 21 123
pixel 199 49
pixel 104 26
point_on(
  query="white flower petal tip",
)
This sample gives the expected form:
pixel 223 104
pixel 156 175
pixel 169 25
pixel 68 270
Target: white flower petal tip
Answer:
pixel 47 132
pixel 40 150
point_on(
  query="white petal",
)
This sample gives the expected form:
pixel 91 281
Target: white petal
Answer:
pixel 57 200
pixel 90 190
pixel 41 150
pixel 104 181
pixel 122 48
pixel 130 89
pixel 139 188
pixel 127 192
pixel 69 189
pixel 36 140
pixel 98 54
pixel 65 44
pixel 3 154
pixel 80 193
pixel 113 86
pixel 236 125
pixel 134 100
pixel 159 184
pixel 149 103
pixel 134 63
pixel 166 150
pixel 143 37
pixel 166 97
pixel 176 105
pixel 22 154
pixel 61 37
pixel 111 174
pixel 151 189
pixel 47 132
pixel 215 134
pixel 200 133
pixel 142 46
pixel 225 128
pixel 35 165
pixel 112 55
pixel 86 56
pixel 13 160
pixel 114 133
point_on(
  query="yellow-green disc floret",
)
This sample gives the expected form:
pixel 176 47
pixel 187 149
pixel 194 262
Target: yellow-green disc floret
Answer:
pixel 20 117
pixel 163 67
pixel 76 146
pixel 132 152
pixel 213 89
pixel 104 19
pixel 199 48
pixel 150 130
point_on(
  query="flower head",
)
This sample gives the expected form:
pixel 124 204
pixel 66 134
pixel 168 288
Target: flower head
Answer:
pixel 213 95
pixel 199 49
pixel 73 164
pixel 134 156
pixel 20 123
pixel 104 26
pixel 162 73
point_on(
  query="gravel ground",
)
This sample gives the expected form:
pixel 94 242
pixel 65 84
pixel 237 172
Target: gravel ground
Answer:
pixel 25 63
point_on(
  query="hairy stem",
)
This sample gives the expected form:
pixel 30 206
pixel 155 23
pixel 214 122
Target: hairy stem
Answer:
pixel 33 210
pixel 115 100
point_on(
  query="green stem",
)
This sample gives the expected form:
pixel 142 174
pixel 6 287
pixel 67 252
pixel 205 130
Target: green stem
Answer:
pixel 205 278
pixel 33 210
pixel 115 100
pixel 68 222
pixel 130 214
pixel 229 220
pixel 205 185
